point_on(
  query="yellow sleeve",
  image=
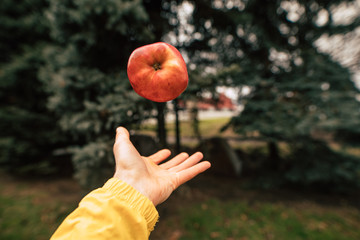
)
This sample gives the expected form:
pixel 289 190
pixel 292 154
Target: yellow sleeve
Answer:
pixel 115 211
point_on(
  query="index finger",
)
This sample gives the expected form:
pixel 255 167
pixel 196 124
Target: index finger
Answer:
pixel 160 156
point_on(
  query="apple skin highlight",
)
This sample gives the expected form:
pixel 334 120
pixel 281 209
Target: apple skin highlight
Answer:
pixel 157 72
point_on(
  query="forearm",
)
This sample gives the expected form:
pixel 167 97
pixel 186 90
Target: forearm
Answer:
pixel 115 211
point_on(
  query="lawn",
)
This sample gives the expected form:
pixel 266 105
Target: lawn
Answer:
pixel 206 208
pixel 220 208
pixel 207 128
pixel 21 218
pixel 212 128
pixel 240 220
pixel 32 209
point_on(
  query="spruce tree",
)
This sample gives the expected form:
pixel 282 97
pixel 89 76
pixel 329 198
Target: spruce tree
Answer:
pixel 296 90
pixel 86 75
pixel 28 129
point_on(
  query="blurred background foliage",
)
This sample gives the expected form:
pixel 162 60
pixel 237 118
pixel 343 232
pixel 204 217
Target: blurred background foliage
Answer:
pixel 64 89
pixel 28 129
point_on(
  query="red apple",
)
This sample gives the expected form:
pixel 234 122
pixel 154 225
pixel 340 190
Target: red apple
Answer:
pixel 157 72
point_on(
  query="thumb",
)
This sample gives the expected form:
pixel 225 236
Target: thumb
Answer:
pixel 123 148
pixel 121 134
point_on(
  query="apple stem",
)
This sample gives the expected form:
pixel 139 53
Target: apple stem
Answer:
pixel 156 66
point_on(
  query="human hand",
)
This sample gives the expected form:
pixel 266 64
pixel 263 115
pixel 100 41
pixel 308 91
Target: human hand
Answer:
pixel 154 180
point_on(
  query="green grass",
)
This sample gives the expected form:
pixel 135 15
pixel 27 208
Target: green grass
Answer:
pixel 35 214
pixel 211 128
pixel 240 220
pixel 208 128
pixel 21 217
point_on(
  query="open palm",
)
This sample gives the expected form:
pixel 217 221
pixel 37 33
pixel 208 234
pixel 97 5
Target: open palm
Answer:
pixel 147 175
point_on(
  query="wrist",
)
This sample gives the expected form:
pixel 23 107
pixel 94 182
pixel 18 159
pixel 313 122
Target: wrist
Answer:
pixel 135 181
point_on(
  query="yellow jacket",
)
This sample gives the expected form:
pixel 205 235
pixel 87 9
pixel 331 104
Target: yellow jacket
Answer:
pixel 115 211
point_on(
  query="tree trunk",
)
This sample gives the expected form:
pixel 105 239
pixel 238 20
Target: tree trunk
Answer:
pixel 274 157
pixel 194 116
pixel 161 129
pixel 177 127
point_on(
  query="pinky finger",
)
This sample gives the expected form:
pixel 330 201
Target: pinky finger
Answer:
pixel 189 173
